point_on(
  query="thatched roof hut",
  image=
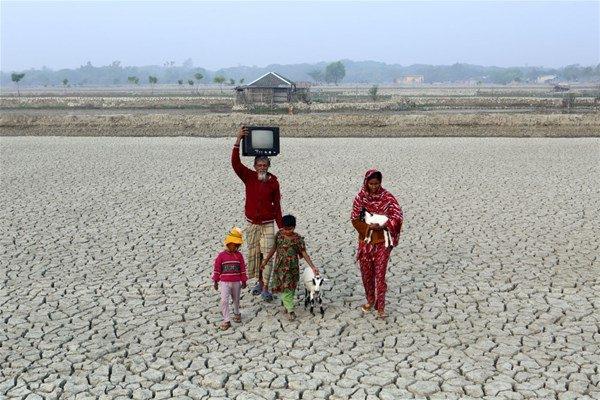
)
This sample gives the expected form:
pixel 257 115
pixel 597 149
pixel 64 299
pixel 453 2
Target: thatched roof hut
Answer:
pixel 269 89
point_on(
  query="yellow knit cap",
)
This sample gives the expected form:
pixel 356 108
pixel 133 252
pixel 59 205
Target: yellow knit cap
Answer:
pixel 234 236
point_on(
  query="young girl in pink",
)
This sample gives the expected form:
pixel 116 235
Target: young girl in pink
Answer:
pixel 230 271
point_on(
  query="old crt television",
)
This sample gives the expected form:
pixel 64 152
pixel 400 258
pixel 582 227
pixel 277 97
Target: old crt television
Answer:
pixel 261 141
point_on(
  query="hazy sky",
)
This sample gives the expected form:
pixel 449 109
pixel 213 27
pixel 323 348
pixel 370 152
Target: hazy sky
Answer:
pixel 224 34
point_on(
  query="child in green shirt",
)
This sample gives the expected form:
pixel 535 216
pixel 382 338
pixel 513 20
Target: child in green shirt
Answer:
pixel 289 247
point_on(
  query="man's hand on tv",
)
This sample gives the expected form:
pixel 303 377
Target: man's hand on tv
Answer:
pixel 243 132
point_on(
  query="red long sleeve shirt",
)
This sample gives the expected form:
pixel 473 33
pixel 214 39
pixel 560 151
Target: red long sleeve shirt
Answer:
pixel 263 198
pixel 229 267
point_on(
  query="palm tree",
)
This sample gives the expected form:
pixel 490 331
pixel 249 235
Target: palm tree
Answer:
pixel 198 77
pixel 219 79
pixel 16 78
pixel 153 81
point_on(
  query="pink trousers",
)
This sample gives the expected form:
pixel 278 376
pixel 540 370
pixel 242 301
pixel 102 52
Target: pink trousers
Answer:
pixel 233 290
pixel 373 260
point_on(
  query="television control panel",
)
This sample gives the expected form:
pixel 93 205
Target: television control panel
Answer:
pixel 261 152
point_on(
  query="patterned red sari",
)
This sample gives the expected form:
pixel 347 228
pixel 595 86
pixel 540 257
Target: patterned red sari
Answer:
pixel 373 258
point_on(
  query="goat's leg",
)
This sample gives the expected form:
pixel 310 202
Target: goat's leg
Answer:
pixel 306 298
pixel 312 305
pixel 321 307
pixel 368 236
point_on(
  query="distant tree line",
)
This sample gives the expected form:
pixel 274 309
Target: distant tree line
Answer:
pixel 115 74
pixel 343 71
pixel 373 72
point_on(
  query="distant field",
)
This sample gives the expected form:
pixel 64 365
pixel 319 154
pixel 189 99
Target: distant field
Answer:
pixel 345 90
pixel 429 110
pixel 323 98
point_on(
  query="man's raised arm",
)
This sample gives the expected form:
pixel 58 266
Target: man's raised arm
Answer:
pixel 240 169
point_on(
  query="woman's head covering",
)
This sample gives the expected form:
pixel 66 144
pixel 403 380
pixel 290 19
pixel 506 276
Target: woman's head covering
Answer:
pixel 370 174
pixel 234 236
pixel 373 173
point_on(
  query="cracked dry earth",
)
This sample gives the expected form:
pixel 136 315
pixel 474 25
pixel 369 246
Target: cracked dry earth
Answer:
pixel 107 247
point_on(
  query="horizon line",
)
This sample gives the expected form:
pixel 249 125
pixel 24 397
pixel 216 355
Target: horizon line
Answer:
pixel 2 70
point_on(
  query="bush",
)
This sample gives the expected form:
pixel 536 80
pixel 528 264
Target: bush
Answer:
pixel 373 92
pixel 568 100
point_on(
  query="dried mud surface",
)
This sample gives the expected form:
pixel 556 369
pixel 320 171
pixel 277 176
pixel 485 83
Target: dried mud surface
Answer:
pixel 107 247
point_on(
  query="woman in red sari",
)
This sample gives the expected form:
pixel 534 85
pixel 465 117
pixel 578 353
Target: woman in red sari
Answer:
pixel 373 256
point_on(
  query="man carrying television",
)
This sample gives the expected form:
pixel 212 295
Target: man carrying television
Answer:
pixel 262 210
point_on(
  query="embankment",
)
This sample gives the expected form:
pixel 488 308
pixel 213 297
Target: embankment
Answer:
pixel 304 125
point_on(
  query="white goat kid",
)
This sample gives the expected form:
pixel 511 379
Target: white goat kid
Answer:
pixel 312 290
pixel 377 219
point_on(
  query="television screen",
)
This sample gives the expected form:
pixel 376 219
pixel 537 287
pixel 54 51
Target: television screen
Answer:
pixel 262 139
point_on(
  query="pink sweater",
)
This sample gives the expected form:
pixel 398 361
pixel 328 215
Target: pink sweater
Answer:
pixel 229 267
